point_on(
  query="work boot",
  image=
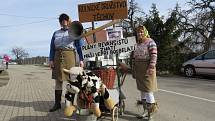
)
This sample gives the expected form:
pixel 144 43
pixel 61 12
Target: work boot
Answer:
pixel 57 104
pixel 151 108
pixel 144 113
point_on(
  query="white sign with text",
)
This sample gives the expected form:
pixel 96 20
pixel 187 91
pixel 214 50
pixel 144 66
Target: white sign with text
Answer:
pixel 109 47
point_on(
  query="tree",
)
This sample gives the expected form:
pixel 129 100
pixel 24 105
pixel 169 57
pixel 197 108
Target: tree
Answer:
pixel 19 53
pixel 166 34
pixel 199 24
pixel 133 12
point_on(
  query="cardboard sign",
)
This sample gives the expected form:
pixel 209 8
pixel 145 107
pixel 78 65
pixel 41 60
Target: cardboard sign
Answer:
pixel 109 47
pixel 99 11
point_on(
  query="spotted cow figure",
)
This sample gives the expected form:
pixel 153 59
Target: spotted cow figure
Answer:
pixel 89 84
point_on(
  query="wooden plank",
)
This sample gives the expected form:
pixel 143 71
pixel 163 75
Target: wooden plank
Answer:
pixel 99 11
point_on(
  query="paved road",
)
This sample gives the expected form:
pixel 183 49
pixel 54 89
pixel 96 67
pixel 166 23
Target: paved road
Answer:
pixel 29 94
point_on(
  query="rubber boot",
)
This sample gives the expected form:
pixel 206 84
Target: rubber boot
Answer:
pixel 57 104
pixel 151 108
pixel 144 114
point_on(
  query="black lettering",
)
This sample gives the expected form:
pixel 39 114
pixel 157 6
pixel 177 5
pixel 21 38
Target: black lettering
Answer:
pixel 103 6
pixel 125 41
pixel 105 43
pixel 80 8
pixel 101 49
pixel 89 55
pixel 97 7
pixel 117 4
pixel 97 54
pixel 123 4
pixel 132 48
pixel 113 52
pixel 111 5
pixel 88 8
pixel 119 42
pixel 83 47
pixel 128 49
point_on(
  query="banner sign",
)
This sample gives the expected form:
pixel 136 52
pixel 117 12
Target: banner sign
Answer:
pixel 109 47
pixel 99 11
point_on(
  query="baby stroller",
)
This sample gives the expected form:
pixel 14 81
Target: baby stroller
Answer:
pixel 108 75
pixel 86 97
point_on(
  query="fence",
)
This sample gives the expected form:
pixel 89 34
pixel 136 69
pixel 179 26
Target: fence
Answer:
pixel 35 60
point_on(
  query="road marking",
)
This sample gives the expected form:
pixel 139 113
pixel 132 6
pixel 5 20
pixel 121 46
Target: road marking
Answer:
pixel 205 99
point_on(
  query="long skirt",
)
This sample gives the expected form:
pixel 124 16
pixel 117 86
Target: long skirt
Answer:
pixel 145 83
pixel 63 59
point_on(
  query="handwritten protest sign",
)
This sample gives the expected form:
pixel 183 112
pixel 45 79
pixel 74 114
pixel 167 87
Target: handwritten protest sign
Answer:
pixel 109 47
pixel 99 11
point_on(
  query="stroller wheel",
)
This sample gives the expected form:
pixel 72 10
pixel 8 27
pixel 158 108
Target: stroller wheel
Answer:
pixel 115 113
pixel 122 107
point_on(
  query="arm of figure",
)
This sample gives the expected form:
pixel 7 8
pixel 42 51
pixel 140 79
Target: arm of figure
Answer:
pixel 78 46
pixel 153 57
pixel 52 52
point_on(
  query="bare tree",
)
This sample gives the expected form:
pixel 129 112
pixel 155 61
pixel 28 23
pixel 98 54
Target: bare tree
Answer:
pixel 19 53
pixel 199 23
pixel 134 15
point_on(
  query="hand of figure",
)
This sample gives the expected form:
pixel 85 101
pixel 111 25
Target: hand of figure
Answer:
pixel 150 71
pixel 51 64
pixel 81 64
pixel 123 66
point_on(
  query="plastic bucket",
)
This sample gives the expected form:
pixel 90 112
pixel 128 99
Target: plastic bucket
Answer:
pixel 85 115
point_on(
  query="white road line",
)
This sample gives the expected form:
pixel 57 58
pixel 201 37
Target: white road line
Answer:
pixel 205 99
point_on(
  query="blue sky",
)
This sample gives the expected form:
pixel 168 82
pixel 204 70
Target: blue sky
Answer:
pixel 17 16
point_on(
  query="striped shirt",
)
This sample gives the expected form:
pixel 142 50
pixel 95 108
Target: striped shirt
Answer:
pixel 147 51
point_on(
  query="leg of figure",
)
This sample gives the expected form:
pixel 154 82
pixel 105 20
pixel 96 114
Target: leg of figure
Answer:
pixel 58 93
pixel 143 103
pixel 6 65
pixel 151 104
pixel 70 108
pixel 107 99
pixel 95 104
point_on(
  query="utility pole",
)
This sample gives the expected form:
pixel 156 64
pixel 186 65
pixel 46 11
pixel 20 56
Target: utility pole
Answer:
pixel 94 39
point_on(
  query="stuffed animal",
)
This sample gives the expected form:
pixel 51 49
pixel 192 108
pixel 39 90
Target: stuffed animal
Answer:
pixel 89 84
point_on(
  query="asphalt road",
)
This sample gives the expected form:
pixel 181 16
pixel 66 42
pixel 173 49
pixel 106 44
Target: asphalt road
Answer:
pixel 179 98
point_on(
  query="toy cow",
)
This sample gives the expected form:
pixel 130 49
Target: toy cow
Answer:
pixel 88 83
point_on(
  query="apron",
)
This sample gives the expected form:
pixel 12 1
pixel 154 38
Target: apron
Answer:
pixel 64 58
pixel 145 83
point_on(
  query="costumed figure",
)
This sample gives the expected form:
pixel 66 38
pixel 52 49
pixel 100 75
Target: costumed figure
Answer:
pixel 63 51
pixel 144 71
pixel 91 85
